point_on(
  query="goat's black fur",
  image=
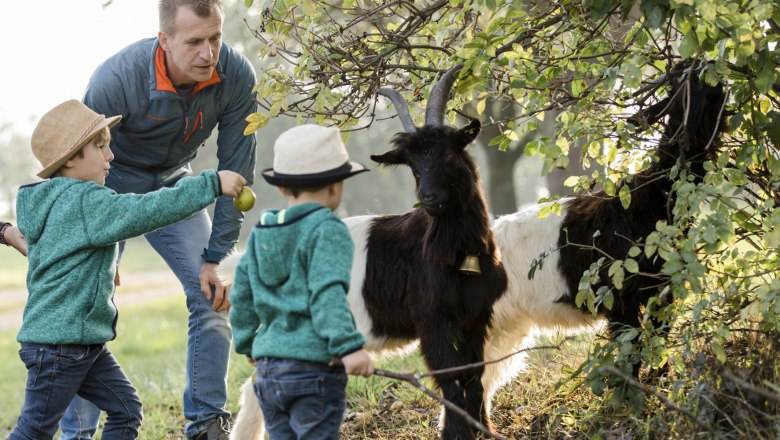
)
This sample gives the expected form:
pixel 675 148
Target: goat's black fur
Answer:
pixel 686 143
pixel 413 288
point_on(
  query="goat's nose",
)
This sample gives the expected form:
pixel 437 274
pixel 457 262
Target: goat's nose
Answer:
pixel 428 197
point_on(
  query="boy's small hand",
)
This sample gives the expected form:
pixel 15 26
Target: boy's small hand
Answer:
pixel 230 183
pixel 358 363
pixel 251 361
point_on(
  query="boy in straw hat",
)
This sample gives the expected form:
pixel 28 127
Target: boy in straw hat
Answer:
pixel 72 224
pixel 290 314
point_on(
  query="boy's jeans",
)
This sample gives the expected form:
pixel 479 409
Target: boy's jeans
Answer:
pixel 55 373
pixel 209 339
pixel 303 400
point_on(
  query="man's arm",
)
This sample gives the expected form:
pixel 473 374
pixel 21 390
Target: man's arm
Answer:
pixel 235 152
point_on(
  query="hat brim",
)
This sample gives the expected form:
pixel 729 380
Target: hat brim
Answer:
pixel 347 170
pixel 57 164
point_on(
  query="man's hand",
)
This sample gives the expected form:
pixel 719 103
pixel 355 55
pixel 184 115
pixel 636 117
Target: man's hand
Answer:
pixel 13 236
pixel 215 289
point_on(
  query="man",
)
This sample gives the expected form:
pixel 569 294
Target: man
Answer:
pixel 171 92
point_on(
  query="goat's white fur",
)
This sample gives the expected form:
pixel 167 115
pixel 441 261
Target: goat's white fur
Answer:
pixel 529 307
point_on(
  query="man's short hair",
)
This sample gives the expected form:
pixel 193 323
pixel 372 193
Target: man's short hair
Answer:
pixel 168 8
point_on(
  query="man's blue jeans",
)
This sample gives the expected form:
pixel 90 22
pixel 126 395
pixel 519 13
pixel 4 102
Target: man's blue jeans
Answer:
pixel 209 337
pixel 301 400
pixel 56 373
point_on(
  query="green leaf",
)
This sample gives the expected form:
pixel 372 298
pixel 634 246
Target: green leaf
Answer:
pixel 720 353
pixel 688 45
pixel 631 265
pixel 625 196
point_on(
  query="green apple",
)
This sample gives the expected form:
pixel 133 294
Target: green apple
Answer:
pixel 245 200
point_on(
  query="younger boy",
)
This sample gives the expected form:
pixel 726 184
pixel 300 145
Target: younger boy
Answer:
pixel 72 224
pixel 290 313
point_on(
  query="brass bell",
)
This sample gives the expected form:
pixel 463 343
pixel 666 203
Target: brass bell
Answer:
pixel 470 265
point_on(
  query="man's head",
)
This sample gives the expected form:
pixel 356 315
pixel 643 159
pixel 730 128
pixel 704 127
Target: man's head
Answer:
pixel 191 36
pixel 73 141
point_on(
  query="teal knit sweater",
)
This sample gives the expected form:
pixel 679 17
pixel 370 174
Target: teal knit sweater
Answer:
pixel 72 228
pixel 289 295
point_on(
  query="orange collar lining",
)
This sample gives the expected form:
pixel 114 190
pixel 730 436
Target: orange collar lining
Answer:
pixel 165 84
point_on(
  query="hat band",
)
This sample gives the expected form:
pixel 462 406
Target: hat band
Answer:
pixel 332 172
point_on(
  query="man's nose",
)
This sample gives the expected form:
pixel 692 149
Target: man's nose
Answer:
pixel 206 52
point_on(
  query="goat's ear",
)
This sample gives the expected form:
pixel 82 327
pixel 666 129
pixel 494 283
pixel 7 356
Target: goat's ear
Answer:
pixel 651 115
pixel 392 157
pixel 470 132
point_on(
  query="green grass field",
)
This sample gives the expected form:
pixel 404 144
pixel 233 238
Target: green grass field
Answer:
pixel 547 401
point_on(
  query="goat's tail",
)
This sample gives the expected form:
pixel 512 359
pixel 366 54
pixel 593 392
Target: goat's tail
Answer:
pixel 250 424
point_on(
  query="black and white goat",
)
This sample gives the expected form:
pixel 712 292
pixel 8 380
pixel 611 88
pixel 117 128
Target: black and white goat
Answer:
pixel 571 242
pixel 406 284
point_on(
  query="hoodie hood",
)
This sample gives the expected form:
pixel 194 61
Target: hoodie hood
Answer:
pixel 34 204
pixel 276 256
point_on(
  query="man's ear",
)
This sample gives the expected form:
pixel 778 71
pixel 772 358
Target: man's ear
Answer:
pixel 164 43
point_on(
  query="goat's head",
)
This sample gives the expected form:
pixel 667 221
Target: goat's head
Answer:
pixel 445 174
pixel 695 115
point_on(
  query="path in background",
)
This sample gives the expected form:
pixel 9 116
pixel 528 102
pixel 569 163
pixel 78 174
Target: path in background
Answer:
pixel 136 287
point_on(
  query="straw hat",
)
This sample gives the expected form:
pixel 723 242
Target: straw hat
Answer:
pixel 63 131
pixel 309 156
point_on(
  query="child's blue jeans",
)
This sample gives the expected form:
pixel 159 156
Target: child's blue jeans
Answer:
pixel 301 400
pixel 57 373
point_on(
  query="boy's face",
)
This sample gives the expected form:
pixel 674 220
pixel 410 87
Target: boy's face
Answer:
pixel 93 164
pixel 192 51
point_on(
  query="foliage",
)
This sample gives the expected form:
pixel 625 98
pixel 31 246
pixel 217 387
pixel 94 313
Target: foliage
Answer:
pixel 596 63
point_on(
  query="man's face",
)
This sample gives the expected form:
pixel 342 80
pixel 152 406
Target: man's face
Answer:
pixel 191 53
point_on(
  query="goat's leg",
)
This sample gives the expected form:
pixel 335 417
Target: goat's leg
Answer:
pixel 250 423
pixel 440 353
pixel 473 352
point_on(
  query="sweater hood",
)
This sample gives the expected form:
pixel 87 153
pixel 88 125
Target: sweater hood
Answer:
pixel 275 256
pixel 35 202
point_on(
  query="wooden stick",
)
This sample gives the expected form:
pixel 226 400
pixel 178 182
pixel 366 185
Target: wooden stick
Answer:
pixel 414 379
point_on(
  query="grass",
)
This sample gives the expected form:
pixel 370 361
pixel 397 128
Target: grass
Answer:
pixel 547 401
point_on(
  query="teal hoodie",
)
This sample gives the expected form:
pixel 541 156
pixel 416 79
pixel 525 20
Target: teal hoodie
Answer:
pixel 72 228
pixel 289 294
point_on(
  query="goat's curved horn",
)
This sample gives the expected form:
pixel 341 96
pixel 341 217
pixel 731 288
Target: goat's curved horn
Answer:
pixel 437 99
pixel 401 107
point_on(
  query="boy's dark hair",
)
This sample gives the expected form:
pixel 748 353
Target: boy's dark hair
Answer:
pixel 168 8
pixel 295 192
